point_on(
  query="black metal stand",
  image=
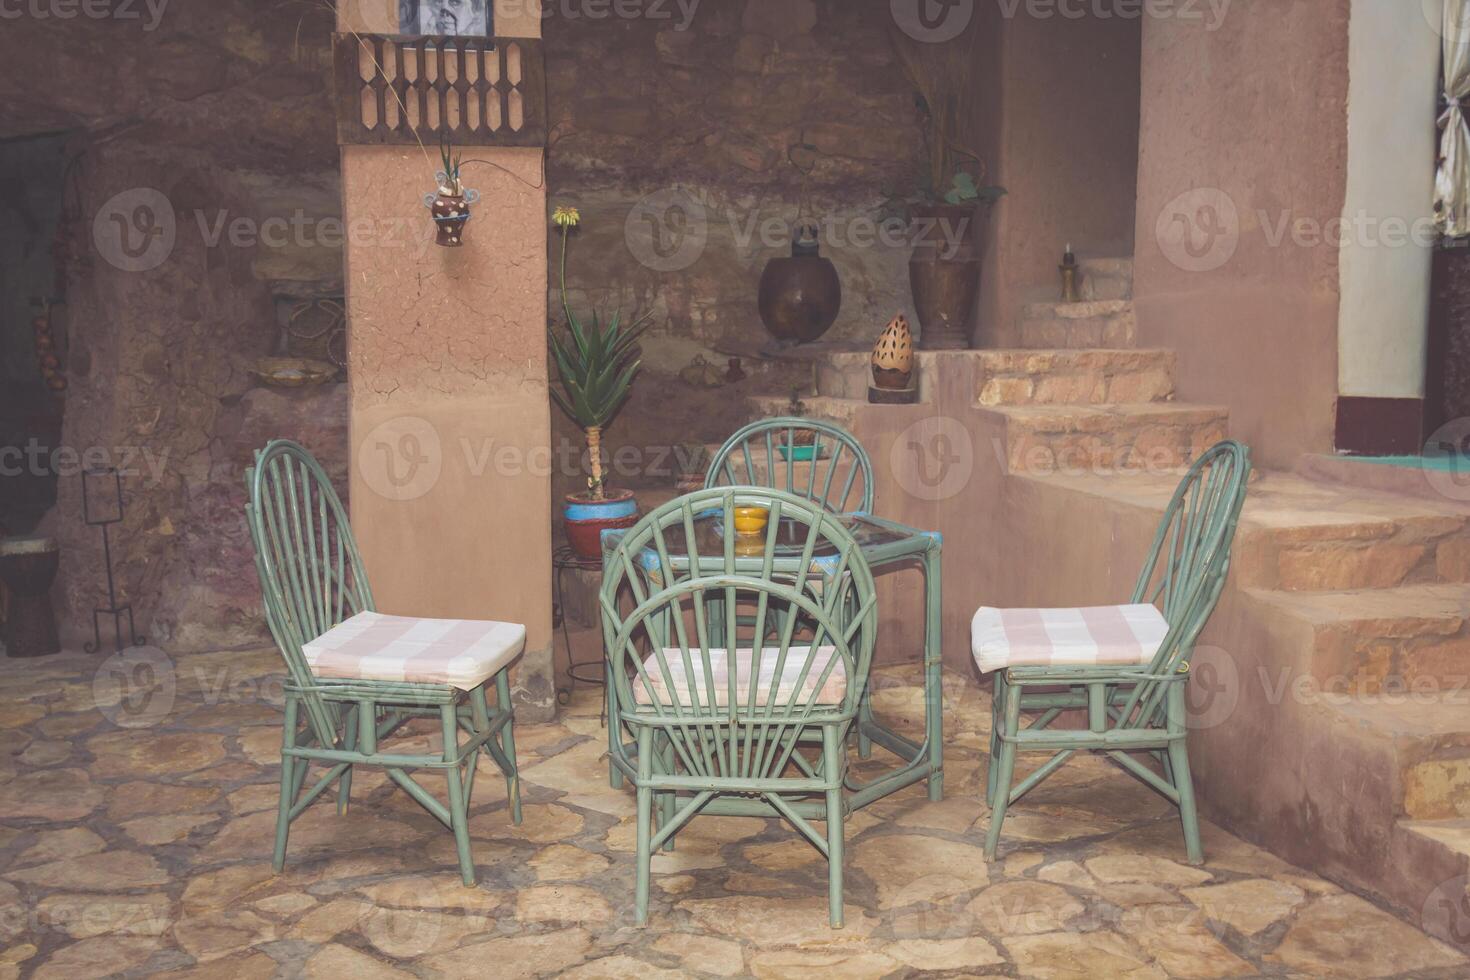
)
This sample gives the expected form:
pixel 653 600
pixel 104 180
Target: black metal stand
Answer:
pixel 562 559
pixel 112 608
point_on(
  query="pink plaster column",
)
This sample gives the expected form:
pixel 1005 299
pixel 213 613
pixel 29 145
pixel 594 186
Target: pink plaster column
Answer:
pixel 450 420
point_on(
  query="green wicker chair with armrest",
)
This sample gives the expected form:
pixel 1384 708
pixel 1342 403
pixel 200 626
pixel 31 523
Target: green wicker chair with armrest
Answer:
pixel 728 716
pixel 773 453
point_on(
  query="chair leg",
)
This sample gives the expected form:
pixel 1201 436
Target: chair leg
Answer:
pixel 458 805
pixel 288 784
pixel 666 801
pixel 832 771
pixel 349 742
pixel 865 716
pixel 1179 771
pixel 997 700
pixel 614 731
pixel 1011 723
pixel 645 828
pixel 508 745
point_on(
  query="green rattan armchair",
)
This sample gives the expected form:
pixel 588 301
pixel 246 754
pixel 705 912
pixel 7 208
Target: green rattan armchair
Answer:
pixel 760 731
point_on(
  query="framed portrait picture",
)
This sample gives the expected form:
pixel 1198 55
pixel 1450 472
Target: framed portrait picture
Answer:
pixel 447 18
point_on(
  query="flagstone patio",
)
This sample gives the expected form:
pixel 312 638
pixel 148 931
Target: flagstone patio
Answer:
pixel 136 817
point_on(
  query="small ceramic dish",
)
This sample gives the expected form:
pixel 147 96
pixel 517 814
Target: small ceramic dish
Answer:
pixel 293 372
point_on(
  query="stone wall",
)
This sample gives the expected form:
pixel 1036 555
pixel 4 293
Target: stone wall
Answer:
pixel 223 110
pixel 180 128
pixel 672 137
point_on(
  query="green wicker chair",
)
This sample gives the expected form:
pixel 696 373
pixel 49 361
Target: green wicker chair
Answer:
pixel 766 738
pixel 1125 666
pixel 840 477
pixel 357 676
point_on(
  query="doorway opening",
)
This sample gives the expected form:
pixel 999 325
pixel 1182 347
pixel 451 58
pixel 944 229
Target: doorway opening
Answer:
pixel 32 328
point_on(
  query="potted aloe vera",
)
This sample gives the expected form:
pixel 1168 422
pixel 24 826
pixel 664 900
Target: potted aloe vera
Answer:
pixel 596 368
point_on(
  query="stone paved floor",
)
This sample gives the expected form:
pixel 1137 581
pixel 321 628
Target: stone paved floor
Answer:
pixel 145 849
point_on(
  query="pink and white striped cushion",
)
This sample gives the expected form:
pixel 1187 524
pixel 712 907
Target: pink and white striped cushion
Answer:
pixel 1124 635
pixel 832 691
pixel 463 653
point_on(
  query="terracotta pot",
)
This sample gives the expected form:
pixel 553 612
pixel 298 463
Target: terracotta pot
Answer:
pixel 944 273
pixel 800 296
pixel 585 519
pixel 451 213
pixel 946 228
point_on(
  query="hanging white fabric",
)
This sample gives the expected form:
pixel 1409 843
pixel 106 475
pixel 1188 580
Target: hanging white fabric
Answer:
pixel 1452 182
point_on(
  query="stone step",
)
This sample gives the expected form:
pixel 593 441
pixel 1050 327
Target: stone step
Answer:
pixel 1106 279
pixel 1374 641
pixel 1101 439
pixel 1428 734
pixel 1097 323
pixel 1299 535
pixel 846 376
pixel 1322 539
pixel 1075 377
pixel 1018 376
pixel 1450 837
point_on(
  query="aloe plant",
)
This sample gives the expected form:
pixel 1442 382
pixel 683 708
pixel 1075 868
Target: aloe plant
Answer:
pixel 596 365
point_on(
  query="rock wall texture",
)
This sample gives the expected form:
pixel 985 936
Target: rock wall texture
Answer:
pixel 674 138
pixel 189 134
pixel 206 186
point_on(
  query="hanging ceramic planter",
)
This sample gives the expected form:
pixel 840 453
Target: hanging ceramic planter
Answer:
pixel 450 207
pixel 800 296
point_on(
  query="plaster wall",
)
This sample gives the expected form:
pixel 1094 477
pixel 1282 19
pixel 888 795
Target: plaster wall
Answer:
pixel 449 409
pixel 1243 134
pixel 1059 122
pixel 1387 245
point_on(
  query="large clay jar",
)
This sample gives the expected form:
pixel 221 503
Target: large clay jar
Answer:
pixel 893 355
pixel 944 275
pixel 800 296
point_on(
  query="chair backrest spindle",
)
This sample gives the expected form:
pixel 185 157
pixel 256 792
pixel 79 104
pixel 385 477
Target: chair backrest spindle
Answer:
pixel 839 474
pixel 311 575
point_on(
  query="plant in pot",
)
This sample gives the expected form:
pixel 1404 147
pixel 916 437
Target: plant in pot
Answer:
pixel 596 367
pixel 804 444
pixel 450 205
pixel 945 215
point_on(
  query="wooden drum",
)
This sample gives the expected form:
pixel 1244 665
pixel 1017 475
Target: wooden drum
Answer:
pixel 27 569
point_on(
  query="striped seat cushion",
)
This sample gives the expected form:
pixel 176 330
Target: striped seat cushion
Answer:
pixel 832 691
pixel 1123 635
pixel 462 653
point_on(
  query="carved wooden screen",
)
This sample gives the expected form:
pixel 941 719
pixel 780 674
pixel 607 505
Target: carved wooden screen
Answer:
pixel 479 91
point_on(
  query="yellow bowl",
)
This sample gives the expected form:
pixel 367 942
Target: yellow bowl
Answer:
pixel 751 520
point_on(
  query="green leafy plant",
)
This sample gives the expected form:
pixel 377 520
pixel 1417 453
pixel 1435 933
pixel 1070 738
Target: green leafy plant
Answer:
pixel 452 162
pixel 596 365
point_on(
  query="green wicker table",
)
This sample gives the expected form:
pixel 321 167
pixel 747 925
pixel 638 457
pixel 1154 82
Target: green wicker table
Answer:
pixel 887 546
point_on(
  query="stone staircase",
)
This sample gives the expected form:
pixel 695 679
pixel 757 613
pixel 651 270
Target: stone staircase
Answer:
pixel 1348 608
